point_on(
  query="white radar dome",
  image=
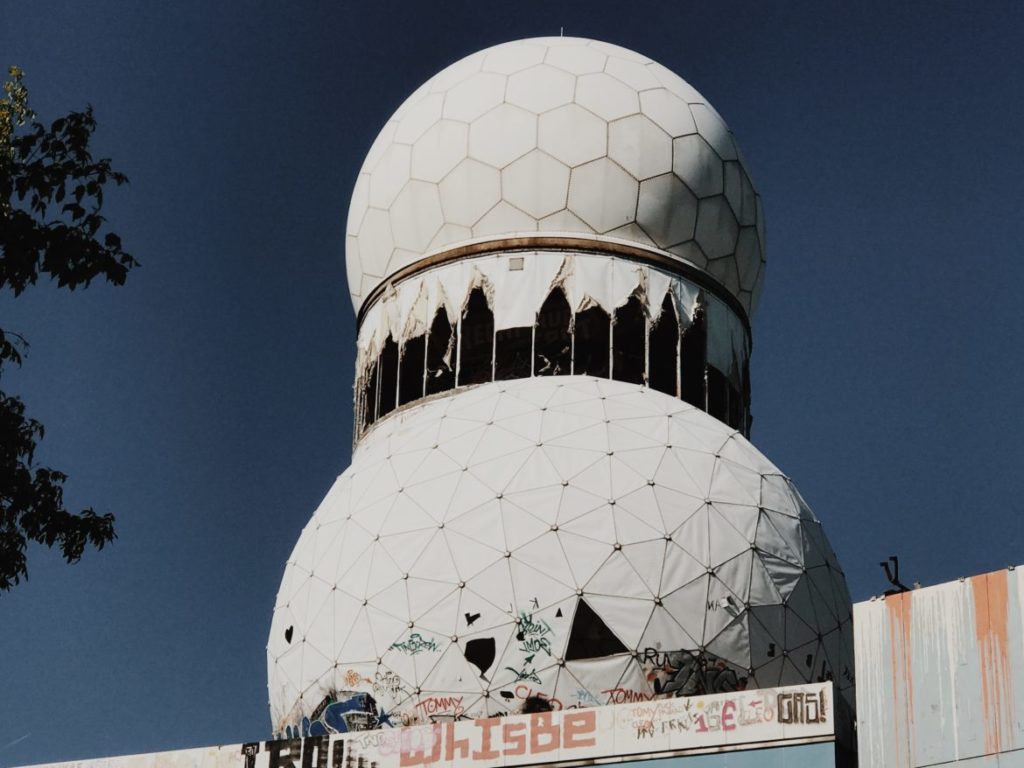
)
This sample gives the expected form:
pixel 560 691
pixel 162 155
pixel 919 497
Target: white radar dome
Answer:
pixel 557 541
pixel 556 136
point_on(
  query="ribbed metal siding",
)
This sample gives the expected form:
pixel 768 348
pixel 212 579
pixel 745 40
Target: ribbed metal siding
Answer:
pixel 940 674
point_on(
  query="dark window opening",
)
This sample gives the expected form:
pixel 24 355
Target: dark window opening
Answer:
pixel 590 637
pixel 663 346
pixel 592 330
pixel 747 418
pixel 410 370
pixel 388 377
pixel 441 344
pixel 553 344
pixel 718 394
pixel 477 351
pixel 628 342
pixel 370 396
pixel 665 355
pixel 735 409
pixel 693 361
pixel 512 350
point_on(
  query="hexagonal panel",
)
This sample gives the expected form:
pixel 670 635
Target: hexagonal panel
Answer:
pixel 502 135
pixel 714 130
pixel 724 270
pixel 513 57
pixel 357 207
pixel 475 96
pixel 503 219
pixel 449 234
pixel 605 96
pixel 401 257
pixel 640 146
pixel 759 221
pixel 540 88
pixel 697 165
pixel 748 212
pixel 667 210
pixel 573 135
pixel 675 83
pixel 617 51
pixel 690 252
pixel 748 257
pixel 536 183
pixel 367 284
pixel 469 191
pixel 716 228
pixel 353 267
pixel 390 175
pixel 439 150
pixel 416 215
pixel 669 112
pixel 563 221
pixel 382 142
pixel 633 73
pixel 603 195
pixel 631 231
pixel 418 118
pixel 733 186
pixel 456 73
pixel 577 60
pixel 375 241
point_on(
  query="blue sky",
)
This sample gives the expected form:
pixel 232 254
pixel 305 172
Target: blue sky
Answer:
pixel 207 403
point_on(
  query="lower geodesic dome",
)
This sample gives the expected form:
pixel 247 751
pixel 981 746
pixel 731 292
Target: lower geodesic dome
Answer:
pixel 551 542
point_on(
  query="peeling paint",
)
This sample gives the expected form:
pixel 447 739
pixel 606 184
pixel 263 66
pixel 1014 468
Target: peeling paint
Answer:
pixel 899 608
pixel 941 673
pixel 991 626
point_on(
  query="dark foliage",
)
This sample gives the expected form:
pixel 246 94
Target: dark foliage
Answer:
pixel 51 226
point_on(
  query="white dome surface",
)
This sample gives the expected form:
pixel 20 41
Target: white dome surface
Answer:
pixel 556 135
pixel 580 540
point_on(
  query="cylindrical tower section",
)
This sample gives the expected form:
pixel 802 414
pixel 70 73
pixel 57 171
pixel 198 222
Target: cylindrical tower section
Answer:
pixel 549 306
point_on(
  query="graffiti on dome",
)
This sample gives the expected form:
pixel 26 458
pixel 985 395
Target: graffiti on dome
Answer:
pixel 689 673
pixel 416 643
pixel 586 699
pixel 441 707
pixel 337 712
pixel 353 678
pixel 525 674
pixel 626 696
pixel 387 683
pixel 533 634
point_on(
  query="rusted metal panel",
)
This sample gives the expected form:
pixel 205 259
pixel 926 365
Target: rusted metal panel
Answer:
pixel 940 674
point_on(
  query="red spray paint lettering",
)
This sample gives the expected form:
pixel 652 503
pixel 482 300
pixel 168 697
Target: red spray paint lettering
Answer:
pixel 492 738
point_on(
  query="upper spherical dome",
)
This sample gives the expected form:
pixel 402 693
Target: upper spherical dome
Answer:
pixel 556 135
pixel 582 535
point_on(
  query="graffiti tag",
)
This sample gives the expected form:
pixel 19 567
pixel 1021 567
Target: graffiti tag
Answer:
pixel 415 644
